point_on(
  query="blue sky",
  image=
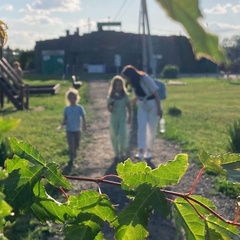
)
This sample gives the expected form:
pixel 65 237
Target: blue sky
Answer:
pixel 34 20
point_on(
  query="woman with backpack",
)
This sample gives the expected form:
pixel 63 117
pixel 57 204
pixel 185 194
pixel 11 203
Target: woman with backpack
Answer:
pixel 149 109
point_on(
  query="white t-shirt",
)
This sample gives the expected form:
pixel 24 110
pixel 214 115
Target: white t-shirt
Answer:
pixel 148 85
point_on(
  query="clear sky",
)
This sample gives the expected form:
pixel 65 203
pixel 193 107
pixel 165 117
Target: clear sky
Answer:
pixel 34 20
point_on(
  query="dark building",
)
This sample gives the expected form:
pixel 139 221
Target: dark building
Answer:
pixel 97 52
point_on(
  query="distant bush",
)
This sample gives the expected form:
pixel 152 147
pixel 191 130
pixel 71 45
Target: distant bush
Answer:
pixel 170 71
pixel 226 187
pixel 234 136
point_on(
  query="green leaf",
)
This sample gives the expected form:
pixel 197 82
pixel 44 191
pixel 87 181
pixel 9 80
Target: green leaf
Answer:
pixel 211 162
pixel 225 230
pixel 91 201
pixel 7 125
pixel 50 170
pixel 131 223
pixel 91 209
pixel 187 13
pixel 5 210
pixel 133 175
pixel 46 208
pixel 203 200
pixel 3 173
pixel 231 163
pixel 18 187
pixel 86 227
pixel 187 218
pixel 55 177
pixel 172 171
pixel 15 163
pixel 26 151
pixel 227 164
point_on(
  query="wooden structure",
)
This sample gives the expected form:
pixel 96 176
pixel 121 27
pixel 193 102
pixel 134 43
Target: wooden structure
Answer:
pixel 41 89
pixel 17 92
pixel 12 86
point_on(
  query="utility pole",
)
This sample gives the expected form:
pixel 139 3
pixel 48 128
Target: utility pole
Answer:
pixel 147 49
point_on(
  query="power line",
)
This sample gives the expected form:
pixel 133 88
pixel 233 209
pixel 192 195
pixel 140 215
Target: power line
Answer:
pixel 120 10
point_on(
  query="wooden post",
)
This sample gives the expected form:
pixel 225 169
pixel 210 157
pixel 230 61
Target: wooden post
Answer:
pixel 147 48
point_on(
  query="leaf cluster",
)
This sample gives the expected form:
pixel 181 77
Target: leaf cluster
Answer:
pixel 83 216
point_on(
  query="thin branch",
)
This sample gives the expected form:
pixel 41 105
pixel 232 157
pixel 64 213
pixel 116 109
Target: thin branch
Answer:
pixel 198 213
pixel 64 193
pixel 183 195
pixel 96 180
pixel 196 181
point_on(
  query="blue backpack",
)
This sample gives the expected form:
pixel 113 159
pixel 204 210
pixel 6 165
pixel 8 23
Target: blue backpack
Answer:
pixel 161 89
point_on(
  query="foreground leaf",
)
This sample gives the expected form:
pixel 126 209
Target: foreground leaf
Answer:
pixel 18 186
pixel 227 164
pixel 216 226
pixel 46 208
pixel 7 125
pixel 50 170
pixel 132 222
pixel 27 151
pixel 5 210
pixel 187 13
pixel 55 177
pixel 133 175
pixel 187 218
pixel 91 209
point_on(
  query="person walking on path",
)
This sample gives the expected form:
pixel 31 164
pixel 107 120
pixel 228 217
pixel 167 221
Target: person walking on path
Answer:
pixel 73 118
pixel 119 106
pixel 149 109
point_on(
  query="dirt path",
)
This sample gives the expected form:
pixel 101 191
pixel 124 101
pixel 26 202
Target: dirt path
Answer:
pixel 97 159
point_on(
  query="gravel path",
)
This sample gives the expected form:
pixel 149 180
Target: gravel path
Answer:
pixel 97 159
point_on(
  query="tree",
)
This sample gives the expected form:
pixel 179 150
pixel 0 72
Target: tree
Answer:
pixel 232 47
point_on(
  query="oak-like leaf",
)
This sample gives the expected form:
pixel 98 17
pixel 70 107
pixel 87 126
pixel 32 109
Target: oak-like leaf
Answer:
pixel 26 151
pixel 131 223
pixel 55 177
pixel 133 175
pixel 47 208
pixel 187 218
pixel 225 230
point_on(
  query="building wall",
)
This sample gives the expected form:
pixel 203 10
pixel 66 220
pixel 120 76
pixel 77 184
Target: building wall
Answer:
pixel 101 47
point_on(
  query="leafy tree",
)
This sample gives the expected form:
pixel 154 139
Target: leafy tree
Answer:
pixel 26 58
pixel 232 47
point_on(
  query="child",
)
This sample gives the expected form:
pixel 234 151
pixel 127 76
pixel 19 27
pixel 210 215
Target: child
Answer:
pixel 117 103
pixel 72 116
pixel 18 69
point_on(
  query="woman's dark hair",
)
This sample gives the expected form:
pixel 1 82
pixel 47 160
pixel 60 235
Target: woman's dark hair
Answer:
pixel 133 75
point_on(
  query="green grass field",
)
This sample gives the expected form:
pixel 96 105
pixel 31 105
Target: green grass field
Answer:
pixel 38 124
pixel 208 106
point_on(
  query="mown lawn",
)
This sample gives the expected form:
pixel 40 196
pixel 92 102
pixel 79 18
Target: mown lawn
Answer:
pixel 38 124
pixel 208 106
